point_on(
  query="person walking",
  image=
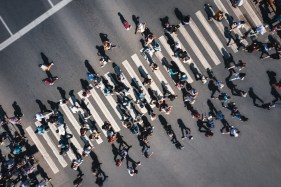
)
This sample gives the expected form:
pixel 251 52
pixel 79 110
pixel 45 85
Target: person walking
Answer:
pixel 238 76
pixel 264 50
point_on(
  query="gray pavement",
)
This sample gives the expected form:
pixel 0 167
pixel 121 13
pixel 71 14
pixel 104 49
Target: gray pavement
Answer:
pixel 70 37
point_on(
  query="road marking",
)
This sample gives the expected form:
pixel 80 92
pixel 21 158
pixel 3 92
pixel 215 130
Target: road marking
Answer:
pixel 51 3
pixel 194 47
pixel 163 41
pixel 42 149
pixel 33 24
pixel 52 146
pixel 136 78
pixel 70 153
pixel 159 74
pixel 240 15
pixel 6 26
pixel 104 109
pixel 140 65
pixel 252 14
pixel 109 79
pixel 221 7
pixel 94 114
pixel 210 31
pixel 204 43
pixel 74 123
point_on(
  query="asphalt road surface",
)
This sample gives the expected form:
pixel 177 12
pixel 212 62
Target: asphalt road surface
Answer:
pixel 70 36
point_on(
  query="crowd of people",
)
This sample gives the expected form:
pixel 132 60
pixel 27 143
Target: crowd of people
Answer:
pixel 18 166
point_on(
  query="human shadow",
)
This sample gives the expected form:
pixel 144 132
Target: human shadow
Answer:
pixel 120 140
pixel 42 107
pixel 45 59
pixel 213 88
pixel 75 150
pixel 228 35
pixel 182 126
pixel 264 10
pixel 212 108
pixel 178 14
pixel 275 94
pixel 89 67
pixel 254 97
pixel 230 19
pixel 53 105
pixel 122 19
pixel 115 152
pixel 103 37
pixel 42 172
pixel 170 41
pixel 136 19
pixel 17 109
pixel 62 93
pixel 272 77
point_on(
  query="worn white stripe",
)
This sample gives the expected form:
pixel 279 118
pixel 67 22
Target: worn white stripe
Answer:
pixel 74 123
pixel 222 8
pixel 52 146
pixel 238 14
pixel 33 24
pixel 93 111
pixel 252 14
pixel 104 109
pixel 163 41
pixel 133 75
pixel 108 77
pixel 6 26
pixel 204 43
pixel 194 47
pixel 51 3
pixel 159 74
pixel 140 65
pixel 42 150
pixel 70 153
pixel 210 31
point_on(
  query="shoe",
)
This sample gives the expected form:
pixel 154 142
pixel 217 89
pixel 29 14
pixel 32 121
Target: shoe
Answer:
pixel 242 78
pixel 138 163
pixel 183 137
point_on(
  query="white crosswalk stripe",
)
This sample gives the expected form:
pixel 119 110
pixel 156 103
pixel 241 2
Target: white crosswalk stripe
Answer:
pixel 222 8
pixel 75 124
pixel 163 41
pixel 194 47
pixel 94 114
pixel 252 15
pixel 210 31
pixel 42 149
pixel 104 109
pixel 142 68
pixel 52 146
pixel 204 43
pixel 109 78
pixel 136 71
pixel 134 76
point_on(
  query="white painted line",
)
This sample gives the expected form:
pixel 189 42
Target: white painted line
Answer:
pixel 80 113
pixel 33 24
pixel 6 26
pixel 252 14
pixel 163 41
pixel 70 153
pixel 104 109
pixel 94 113
pixel 51 3
pixel 194 47
pixel 210 31
pixel 134 76
pixel 42 149
pixel 112 102
pixel 53 147
pixel 204 43
pixel 140 65
pixel 159 74
pixel 222 8
pixel 238 14
pixel 73 121
pixel 108 77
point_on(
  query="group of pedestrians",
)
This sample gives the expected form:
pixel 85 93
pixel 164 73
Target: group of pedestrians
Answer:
pixel 18 166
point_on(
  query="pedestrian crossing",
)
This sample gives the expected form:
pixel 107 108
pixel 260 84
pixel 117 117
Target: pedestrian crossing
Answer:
pixel 103 107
